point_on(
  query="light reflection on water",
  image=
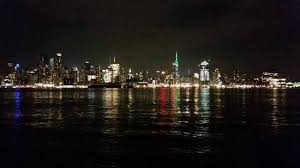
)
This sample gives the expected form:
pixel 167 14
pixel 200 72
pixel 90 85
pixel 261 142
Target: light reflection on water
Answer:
pixel 278 103
pixel 188 112
pixel 18 108
pixel 107 127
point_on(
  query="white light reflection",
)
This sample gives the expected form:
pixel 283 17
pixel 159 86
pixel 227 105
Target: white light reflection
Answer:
pixel 196 101
pixel 111 99
pixel 278 102
pixel 175 100
pixel 204 111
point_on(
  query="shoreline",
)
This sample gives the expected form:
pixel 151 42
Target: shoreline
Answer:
pixel 99 88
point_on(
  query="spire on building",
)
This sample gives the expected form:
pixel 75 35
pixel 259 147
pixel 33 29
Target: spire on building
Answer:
pixel 176 60
pixel 175 69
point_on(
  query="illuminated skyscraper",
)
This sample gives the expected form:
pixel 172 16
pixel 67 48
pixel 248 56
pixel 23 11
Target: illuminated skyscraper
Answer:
pixel 90 73
pixel 130 74
pixel 51 62
pixel 107 76
pixel 58 69
pixel 58 61
pixel 204 72
pixel 216 78
pixel 43 71
pixel 115 71
pixel 87 67
pixel 75 74
pixel 176 70
pixel 12 72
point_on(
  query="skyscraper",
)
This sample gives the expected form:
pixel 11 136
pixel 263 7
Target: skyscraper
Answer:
pixel 58 61
pixel 43 70
pixel 52 62
pixel 176 70
pixel 204 72
pixel 87 67
pixel 216 78
pixel 130 74
pixel 44 60
pixel 58 69
pixel 115 71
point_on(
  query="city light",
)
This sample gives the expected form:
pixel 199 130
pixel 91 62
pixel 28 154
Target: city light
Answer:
pixel 51 74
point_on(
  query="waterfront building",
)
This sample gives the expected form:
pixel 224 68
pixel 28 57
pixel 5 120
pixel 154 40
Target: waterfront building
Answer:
pixel 130 74
pixel 75 75
pixel 87 71
pixel 296 84
pixel 204 73
pixel 160 77
pixel 51 64
pixel 238 78
pixel 87 67
pixel 58 69
pixel 13 73
pixel 115 71
pixel 43 70
pixel 273 79
pixel 99 77
pixel 107 75
pixel 216 78
pixel 123 75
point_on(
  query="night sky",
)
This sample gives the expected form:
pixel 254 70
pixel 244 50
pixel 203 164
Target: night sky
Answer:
pixel 253 35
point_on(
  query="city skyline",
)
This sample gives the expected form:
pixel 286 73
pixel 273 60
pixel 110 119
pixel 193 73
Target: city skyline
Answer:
pixel 51 72
pixel 185 68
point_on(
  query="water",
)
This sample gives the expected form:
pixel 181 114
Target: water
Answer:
pixel 150 128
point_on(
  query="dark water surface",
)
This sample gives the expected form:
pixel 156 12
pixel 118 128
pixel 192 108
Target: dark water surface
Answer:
pixel 150 128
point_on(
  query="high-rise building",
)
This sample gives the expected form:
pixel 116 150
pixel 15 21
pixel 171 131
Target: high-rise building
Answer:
pixel 115 69
pixel 237 80
pixel 204 72
pixel 87 67
pixel 58 61
pixel 44 60
pixel 130 74
pixel 99 77
pixel 122 75
pixel 107 76
pixel 216 78
pixel 76 75
pixel 43 71
pixel 12 70
pixel 87 71
pixel 51 64
pixel 176 76
pixel 58 68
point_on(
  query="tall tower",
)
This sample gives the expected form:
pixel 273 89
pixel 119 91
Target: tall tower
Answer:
pixel 204 72
pixel 176 69
pixel 176 63
pixel 130 75
pixel 115 69
pixel 58 69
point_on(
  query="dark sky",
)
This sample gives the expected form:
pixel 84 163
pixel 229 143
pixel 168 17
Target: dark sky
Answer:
pixel 253 35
